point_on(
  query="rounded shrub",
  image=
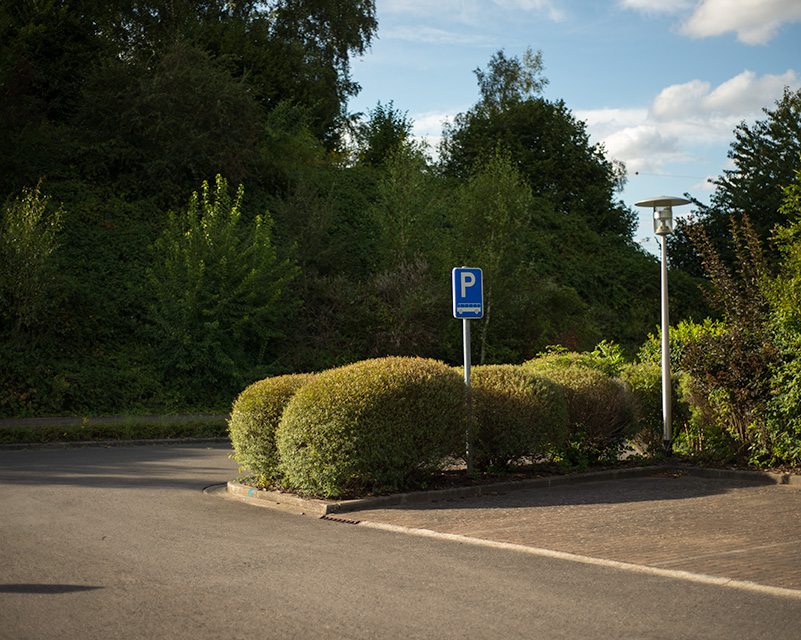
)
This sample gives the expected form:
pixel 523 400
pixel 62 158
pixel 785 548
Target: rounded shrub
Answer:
pixel 600 409
pixel 517 414
pixel 254 418
pixel 372 426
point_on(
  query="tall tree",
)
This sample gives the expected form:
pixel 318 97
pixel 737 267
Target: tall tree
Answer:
pixel 766 156
pixel 511 80
pixel 47 50
pixel 548 145
pixel 219 297
pixel 385 132
pixel 164 128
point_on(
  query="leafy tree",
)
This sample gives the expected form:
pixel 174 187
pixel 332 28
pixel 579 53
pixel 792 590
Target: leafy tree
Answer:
pixel 766 156
pixel 549 146
pixel 491 220
pixel 408 209
pixel 219 293
pixel 780 441
pixel 385 133
pixel 511 80
pixel 28 277
pixel 47 49
pixel 162 129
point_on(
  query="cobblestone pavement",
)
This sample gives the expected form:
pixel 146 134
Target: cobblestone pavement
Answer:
pixel 722 528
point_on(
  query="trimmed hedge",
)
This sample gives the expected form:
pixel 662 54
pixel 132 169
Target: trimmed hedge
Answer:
pixel 254 418
pixel 517 412
pixel 373 426
pixel 600 409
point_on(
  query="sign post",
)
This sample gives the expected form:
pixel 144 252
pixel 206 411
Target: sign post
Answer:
pixel 468 303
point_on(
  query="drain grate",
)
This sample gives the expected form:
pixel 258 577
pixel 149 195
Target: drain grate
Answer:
pixel 334 518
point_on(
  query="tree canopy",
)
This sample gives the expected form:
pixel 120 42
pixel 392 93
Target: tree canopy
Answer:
pixel 766 156
pixel 550 147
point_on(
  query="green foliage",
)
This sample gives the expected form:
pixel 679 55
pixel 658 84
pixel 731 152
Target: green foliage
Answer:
pixel 680 337
pixel 600 409
pixel 644 381
pixel 780 440
pixel 165 127
pixel 702 436
pixel 511 79
pixel 219 293
pixel 517 414
pixel 127 428
pixel 606 357
pixel 255 416
pixel 734 368
pixel 28 277
pixel 373 426
pixel 407 211
pixel 765 157
pixel 385 133
pixel 494 210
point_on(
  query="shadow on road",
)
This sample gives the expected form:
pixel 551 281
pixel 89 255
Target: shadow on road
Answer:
pixel 178 466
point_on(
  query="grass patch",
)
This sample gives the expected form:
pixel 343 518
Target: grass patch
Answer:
pixel 123 428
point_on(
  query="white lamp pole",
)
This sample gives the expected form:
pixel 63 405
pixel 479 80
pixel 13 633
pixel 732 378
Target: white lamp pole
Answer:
pixel 663 225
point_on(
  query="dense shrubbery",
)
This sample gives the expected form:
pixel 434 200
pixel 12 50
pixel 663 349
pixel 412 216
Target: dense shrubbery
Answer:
pixel 375 425
pixel 385 424
pixel 644 381
pixel 600 408
pixel 357 263
pixel 164 303
pixel 518 414
pixel 254 419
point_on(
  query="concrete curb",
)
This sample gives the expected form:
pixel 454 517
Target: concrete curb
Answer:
pixel 322 508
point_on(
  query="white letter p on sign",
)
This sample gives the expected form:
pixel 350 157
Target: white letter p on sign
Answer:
pixel 468 280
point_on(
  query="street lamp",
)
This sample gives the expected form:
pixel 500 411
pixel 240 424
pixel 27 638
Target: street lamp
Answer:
pixel 663 225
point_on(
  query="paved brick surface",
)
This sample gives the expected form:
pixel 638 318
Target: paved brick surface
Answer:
pixel 724 528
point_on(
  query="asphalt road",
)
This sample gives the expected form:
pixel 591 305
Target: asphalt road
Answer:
pixel 124 543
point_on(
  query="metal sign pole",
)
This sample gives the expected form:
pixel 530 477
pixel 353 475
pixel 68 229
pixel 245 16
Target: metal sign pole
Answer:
pixel 468 301
pixel 469 433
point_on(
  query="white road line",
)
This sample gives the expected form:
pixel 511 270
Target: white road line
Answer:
pixel 614 564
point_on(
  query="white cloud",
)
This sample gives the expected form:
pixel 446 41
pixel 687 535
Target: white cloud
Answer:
pixel 430 35
pixel 657 6
pixel 534 6
pixel 746 93
pixel 743 96
pixel 680 100
pixel 429 124
pixel 683 118
pixel 754 22
pixel 472 12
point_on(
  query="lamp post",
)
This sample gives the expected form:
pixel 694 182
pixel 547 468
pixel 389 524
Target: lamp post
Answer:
pixel 663 225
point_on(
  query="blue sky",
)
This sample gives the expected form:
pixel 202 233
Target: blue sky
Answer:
pixel 661 83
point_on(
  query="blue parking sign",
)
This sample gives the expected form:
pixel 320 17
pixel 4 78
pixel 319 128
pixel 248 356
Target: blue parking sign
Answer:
pixel 468 293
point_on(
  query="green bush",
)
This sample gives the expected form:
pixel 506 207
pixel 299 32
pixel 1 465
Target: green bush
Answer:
pixel 517 414
pixel 600 409
pixel 700 434
pixel 255 416
pixel 373 426
pixel 644 380
pixel 606 357
pixel 681 337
